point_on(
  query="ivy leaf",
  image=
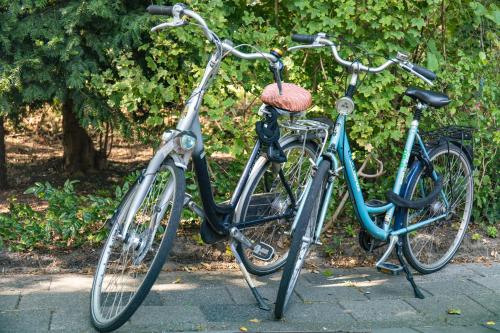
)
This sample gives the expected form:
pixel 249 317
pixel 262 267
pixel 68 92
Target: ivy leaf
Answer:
pixel 418 22
pixel 432 62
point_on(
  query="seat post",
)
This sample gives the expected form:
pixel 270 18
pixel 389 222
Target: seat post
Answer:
pixel 418 111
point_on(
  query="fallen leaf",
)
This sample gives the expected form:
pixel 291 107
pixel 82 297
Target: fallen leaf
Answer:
pixel 243 329
pixel 454 311
pixel 255 320
pixel 490 323
pixel 178 280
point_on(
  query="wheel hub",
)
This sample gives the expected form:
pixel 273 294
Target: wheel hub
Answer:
pixel 438 207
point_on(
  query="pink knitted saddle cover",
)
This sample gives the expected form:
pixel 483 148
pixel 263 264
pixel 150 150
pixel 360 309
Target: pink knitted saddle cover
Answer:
pixel 293 98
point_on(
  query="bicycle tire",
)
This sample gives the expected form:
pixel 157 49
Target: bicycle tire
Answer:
pixel 158 260
pixel 437 233
pixel 266 231
pixel 300 245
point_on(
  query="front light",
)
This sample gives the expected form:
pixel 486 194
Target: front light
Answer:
pixel 344 105
pixel 187 142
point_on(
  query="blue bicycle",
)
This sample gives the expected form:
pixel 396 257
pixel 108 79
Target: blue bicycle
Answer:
pixel 427 211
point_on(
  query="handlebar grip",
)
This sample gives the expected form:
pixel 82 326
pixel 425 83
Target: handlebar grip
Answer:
pixel 300 38
pixel 428 74
pixel 160 10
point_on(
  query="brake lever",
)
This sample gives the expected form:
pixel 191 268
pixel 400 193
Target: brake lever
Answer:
pixel 172 24
pixel 403 61
pixel 409 69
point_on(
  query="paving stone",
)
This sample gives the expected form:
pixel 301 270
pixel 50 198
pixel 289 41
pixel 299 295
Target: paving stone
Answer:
pixel 27 284
pixel 285 326
pixel 206 279
pixel 54 301
pixel 71 283
pixel 207 301
pixel 488 301
pixel 454 329
pixel 19 321
pixel 485 270
pixel 8 302
pixel 233 312
pixel 319 313
pixel 393 289
pixel 490 282
pixel 436 309
pixel 153 299
pixel 196 296
pixel 167 318
pixel 453 287
pixel 449 272
pixel 243 295
pixel 380 310
pixel 394 330
pixel 340 276
pixel 71 320
pixel 328 293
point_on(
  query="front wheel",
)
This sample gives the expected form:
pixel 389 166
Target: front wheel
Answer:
pixel 129 265
pixel 429 249
pixel 302 239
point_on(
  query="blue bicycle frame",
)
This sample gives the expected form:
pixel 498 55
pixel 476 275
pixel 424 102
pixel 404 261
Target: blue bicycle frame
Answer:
pixel 339 143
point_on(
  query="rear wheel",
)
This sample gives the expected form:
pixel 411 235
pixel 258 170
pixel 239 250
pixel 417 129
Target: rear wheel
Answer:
pixel 302 238
pixel 429 249
pixel 266 196
pixel 128 267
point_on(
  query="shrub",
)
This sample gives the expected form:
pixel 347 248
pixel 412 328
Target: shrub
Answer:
pixel 69 221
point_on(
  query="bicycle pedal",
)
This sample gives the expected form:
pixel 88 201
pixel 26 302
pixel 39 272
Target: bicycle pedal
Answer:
pixel 263 251
pixel 388 268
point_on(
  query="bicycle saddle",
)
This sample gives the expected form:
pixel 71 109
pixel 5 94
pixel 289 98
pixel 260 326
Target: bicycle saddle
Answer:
pixel 428 97
pixel 293 99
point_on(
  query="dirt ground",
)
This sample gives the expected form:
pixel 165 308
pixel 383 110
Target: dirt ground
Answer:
pixel 37 158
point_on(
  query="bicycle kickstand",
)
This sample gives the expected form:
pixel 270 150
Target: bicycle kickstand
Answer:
pixel 406 269
pixel 260 300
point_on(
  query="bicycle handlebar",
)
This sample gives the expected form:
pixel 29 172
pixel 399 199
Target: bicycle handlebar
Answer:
pixel 179 10
pixel 321 40
pixel 160 10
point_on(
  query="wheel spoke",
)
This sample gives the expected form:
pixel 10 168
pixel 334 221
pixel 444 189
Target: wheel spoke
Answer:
pixel 433 246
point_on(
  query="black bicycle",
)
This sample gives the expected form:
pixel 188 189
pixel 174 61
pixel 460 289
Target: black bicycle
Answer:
pixel 257 219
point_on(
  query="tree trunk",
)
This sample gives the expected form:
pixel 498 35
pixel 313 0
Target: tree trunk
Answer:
pixel 80 155
pixel 3 163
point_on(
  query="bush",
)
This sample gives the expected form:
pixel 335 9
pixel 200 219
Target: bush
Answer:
pixel 69 221
pixel 457 40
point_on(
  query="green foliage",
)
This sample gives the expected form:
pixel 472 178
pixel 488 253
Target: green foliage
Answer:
pixel 49 49
pixel 459 41
pixel 69 220
pixel 476 237
pixel 350 230
pixel 491 231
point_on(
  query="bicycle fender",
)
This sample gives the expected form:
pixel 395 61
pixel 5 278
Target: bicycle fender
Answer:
pixel 414 170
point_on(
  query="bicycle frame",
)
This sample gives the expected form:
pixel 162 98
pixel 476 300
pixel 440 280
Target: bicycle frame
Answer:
pixel 339 144
pixel 218 216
